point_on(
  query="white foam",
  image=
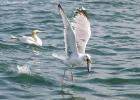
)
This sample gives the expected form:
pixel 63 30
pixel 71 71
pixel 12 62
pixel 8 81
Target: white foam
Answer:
pixel 23 69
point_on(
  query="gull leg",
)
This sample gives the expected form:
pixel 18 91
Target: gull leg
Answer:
pixel 71 75
pixel 62 80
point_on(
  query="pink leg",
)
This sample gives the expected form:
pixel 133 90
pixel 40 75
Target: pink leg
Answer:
pixel 71 76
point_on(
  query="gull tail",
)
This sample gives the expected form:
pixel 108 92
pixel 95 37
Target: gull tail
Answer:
pixel 60 57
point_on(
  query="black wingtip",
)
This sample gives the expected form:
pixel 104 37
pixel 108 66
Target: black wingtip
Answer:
pixel 59 6
pixel 82 10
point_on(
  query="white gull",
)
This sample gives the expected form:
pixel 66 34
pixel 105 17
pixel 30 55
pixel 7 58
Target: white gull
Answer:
pixel 76 36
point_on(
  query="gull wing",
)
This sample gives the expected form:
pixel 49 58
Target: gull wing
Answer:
pixel 82 29
pixel 69 36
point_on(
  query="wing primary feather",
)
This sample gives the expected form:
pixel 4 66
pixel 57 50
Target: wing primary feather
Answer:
pixel 82 10
pixel 82 29
pixel 69 36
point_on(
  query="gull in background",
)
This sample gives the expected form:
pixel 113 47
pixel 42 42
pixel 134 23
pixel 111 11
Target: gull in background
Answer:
pixel 34 39
pixel 76 36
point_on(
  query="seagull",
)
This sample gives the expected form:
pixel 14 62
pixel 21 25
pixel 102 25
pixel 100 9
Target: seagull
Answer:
pixel 76 36
pixel 34 39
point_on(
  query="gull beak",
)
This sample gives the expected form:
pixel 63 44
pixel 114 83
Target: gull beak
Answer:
pixel 42 31
pixel 88 65
pixel 39 31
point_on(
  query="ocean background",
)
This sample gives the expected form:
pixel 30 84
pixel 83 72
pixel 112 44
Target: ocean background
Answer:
pixel 114 47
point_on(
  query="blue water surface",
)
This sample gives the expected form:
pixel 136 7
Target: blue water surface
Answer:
pixel 114 47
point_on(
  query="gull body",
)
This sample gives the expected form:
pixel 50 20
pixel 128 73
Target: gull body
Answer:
pixel 76 36
pixel 33 39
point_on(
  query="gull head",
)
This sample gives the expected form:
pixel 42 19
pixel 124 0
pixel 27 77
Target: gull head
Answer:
pixel 36 39
pixel 87 59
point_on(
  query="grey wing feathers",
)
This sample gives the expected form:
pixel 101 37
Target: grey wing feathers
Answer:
pixel 82 29
pixel 69 36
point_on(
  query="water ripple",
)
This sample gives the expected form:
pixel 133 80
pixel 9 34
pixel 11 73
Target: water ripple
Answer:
pixel 113 46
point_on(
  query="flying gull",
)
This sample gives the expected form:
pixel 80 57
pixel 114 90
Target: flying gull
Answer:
pixel 76 36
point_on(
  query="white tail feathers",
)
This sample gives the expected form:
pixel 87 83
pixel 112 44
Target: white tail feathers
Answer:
pixel 61 57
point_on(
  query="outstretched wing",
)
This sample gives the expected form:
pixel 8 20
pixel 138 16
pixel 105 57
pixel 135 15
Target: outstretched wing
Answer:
pixel 82 29
pixel 69 36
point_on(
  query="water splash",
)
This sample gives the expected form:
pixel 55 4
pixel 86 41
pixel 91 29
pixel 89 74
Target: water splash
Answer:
pixel 23 69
